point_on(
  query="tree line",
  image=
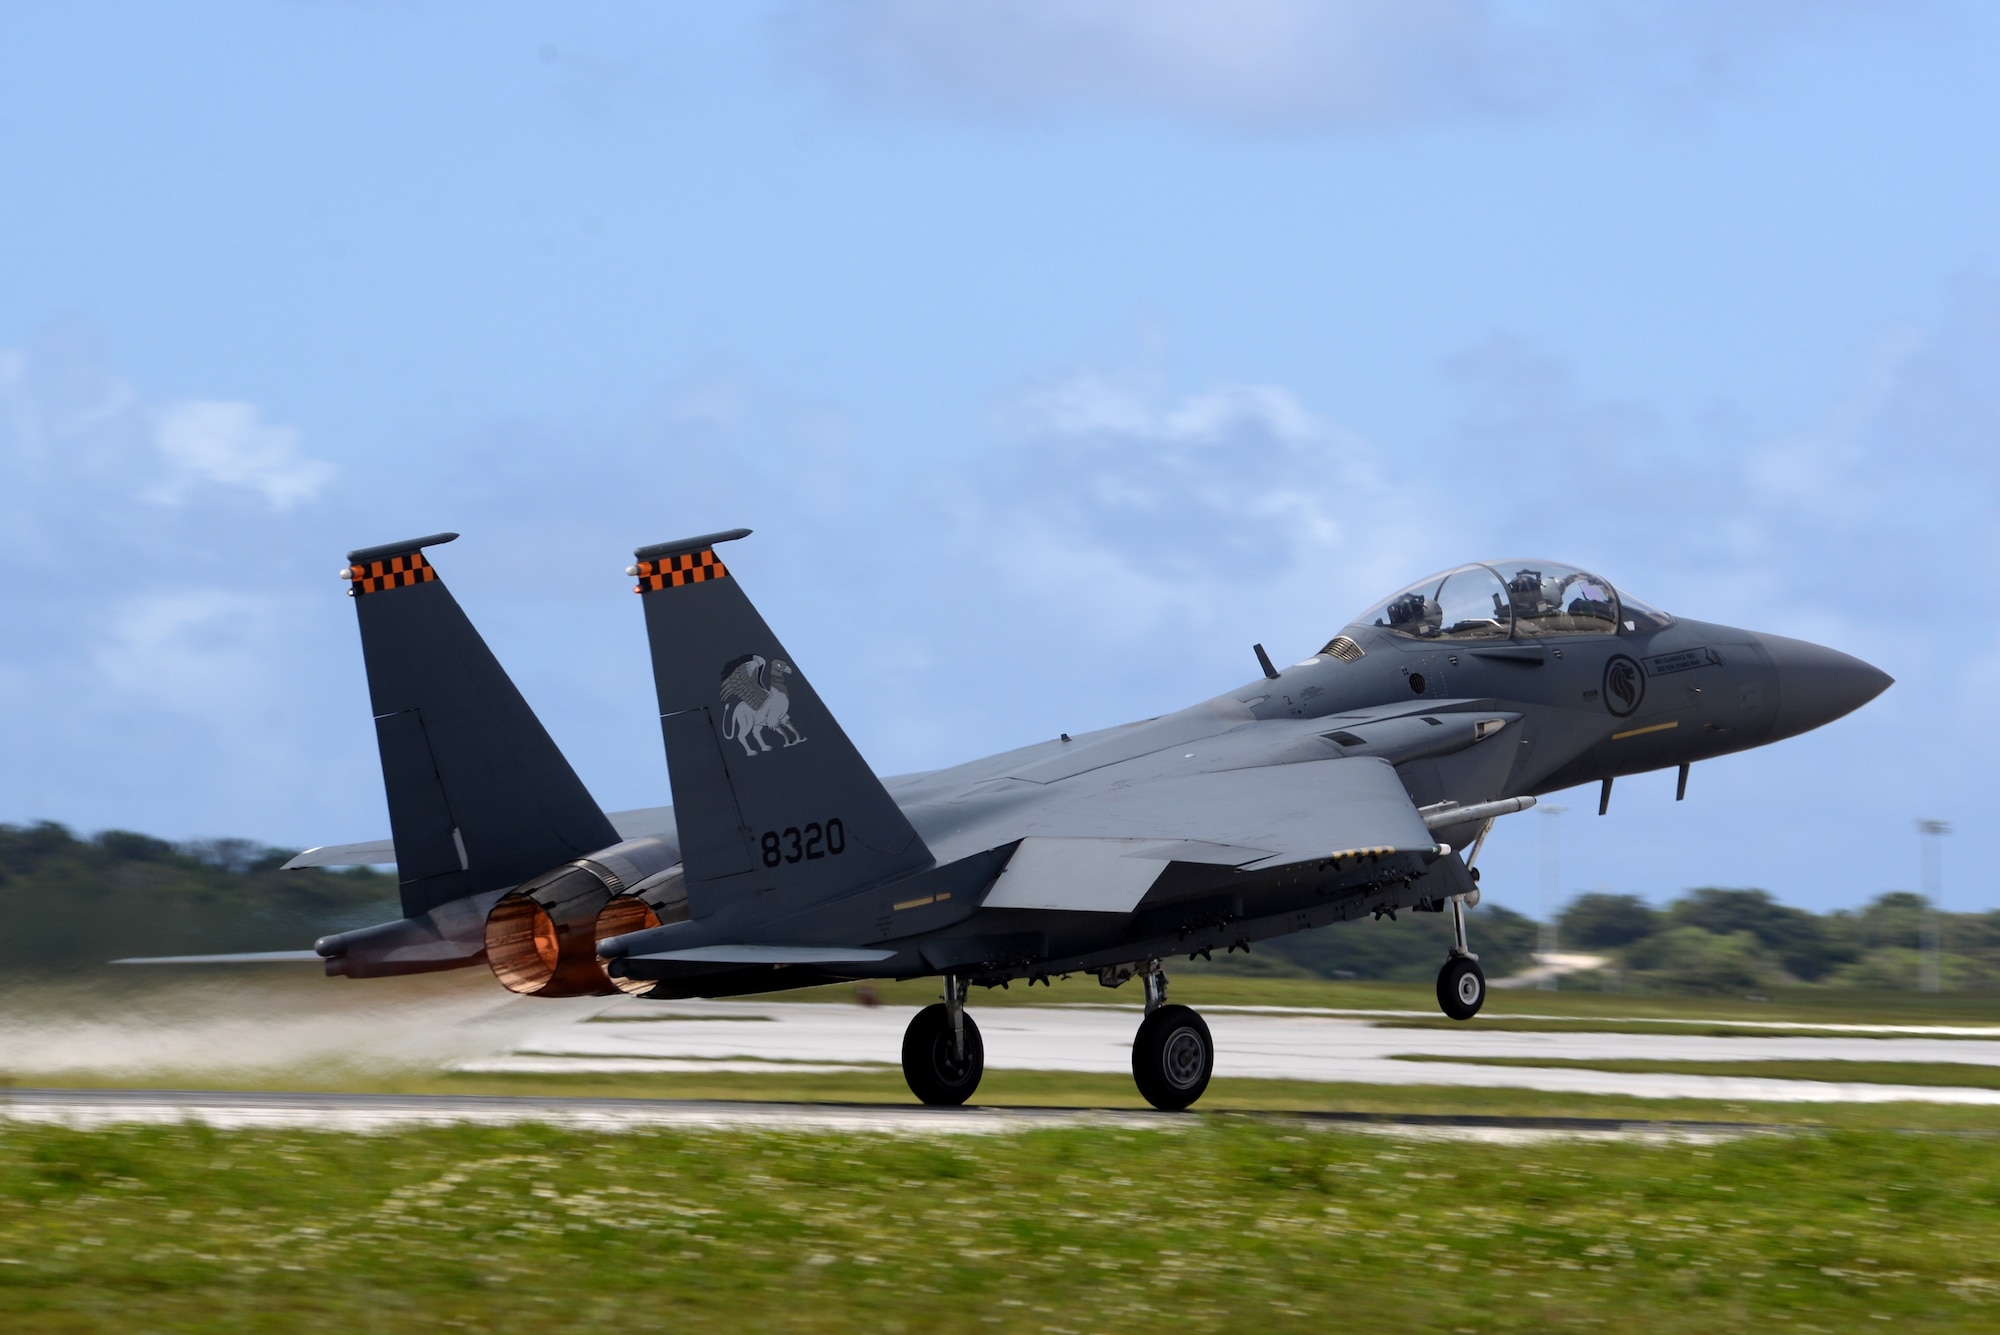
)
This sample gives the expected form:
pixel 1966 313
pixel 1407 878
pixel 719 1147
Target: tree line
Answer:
pixel 1722 941
pixel 74 902
pixel 68 902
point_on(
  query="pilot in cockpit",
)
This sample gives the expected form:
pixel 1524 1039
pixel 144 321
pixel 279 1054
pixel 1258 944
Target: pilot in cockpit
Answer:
pixel 1511 599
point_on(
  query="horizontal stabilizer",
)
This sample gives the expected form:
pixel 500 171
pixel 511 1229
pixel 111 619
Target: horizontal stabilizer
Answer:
pixel 251 957
pixel 634 824
pixel 374 853
pixel 749 954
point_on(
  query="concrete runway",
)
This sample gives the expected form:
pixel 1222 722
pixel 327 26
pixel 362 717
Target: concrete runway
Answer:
pixel 272 1029
pixel 629 1036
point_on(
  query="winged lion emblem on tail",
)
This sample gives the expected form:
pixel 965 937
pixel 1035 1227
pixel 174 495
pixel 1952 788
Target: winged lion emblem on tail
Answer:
pixel 753 691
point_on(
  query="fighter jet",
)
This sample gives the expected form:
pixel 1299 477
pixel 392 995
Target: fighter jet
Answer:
pixel 1360 781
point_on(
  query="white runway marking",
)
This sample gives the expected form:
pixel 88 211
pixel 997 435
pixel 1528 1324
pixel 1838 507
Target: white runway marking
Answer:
pixel 386 1112
pixel 366 1113
pixel 1261 1044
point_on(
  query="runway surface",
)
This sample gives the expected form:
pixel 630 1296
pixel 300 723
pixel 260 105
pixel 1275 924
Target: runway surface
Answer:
pixel 274 1030
pixel 385 1112
pixel 633 1036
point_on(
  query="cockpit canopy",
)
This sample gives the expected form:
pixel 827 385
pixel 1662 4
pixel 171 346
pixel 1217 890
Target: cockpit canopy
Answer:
pixel 1511 600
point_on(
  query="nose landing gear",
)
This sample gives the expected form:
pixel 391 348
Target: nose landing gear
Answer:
pixel 1461 985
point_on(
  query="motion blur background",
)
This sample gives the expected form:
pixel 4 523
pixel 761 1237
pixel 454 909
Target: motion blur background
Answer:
pixel 1057 352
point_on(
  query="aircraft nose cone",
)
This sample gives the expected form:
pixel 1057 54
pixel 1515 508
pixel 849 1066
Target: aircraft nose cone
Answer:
pixel 1818 685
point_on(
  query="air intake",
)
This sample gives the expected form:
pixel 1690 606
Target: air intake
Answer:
pixel 1342 648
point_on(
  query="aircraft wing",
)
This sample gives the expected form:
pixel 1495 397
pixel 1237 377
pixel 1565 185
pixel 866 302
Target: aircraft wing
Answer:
pixel 1102 851
pixel 1264 817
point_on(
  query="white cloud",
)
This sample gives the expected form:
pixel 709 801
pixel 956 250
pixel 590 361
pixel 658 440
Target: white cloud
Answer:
pixel 1119 514
pixel 1321 62
pixel 230 444
pixel 201 652
pixel 80 435
pixel 64 410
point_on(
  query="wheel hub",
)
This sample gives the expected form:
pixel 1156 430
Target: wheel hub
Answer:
pixel 1183 1058
pixel 951 1067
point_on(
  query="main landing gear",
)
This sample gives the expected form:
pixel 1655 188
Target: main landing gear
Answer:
pixel 943 1057
pixel 1172 1054
pixel 1461 983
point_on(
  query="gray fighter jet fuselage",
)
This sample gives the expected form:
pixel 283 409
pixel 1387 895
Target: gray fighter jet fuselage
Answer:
pixel 1357 782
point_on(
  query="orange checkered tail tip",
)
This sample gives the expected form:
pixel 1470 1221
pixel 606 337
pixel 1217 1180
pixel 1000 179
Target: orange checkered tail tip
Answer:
pixel 393 565
pixel 670 565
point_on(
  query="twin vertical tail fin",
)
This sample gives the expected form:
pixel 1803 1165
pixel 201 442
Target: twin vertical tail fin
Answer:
pixel 479 797
pixel 769 794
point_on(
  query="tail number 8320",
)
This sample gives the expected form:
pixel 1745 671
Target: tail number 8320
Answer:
pixel 797 844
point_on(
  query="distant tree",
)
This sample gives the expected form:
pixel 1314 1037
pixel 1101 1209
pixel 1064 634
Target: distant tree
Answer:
pixel 232 855
pixel 1411 947
pixel 1892 920
pixel 129 847
pixel 1689 959
pixel 1799 940
pixel 1605 922
pixel 73 903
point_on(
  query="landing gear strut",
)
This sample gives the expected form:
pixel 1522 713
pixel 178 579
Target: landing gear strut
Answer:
pixel 943 1057
pixel 1461 983
pixel 1172 1054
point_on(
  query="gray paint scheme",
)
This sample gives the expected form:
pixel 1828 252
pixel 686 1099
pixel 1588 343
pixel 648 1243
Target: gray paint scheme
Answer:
pixel 1287 803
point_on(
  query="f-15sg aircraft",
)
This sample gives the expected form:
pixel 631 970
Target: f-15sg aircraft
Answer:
pixel 1361 781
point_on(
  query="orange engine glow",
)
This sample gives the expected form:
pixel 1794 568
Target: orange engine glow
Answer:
pixel 627 913
pixel 541 940
pixel 521 944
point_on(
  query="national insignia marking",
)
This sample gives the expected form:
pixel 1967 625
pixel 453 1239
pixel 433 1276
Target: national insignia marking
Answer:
pixel 1624 686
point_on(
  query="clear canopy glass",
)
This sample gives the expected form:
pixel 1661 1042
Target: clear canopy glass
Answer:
pixel 1511 599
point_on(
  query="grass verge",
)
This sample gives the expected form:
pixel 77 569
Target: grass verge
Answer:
pixel 1680 1028
pixel 1227 1225
pixel 1957 1075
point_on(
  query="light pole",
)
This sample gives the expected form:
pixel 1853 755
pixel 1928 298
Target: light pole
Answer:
pixel 1551 890
pixel 1932 975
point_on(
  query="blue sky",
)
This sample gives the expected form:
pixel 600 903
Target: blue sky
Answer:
pixel 1056 352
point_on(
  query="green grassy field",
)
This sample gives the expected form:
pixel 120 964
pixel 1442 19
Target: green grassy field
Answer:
pixel 1963 1075
pixel 1700 1028
pixel 1219 1225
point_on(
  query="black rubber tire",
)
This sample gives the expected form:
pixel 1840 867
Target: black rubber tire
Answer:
pixel 934 1074
pixel 1461 988
pixel 1172 1057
